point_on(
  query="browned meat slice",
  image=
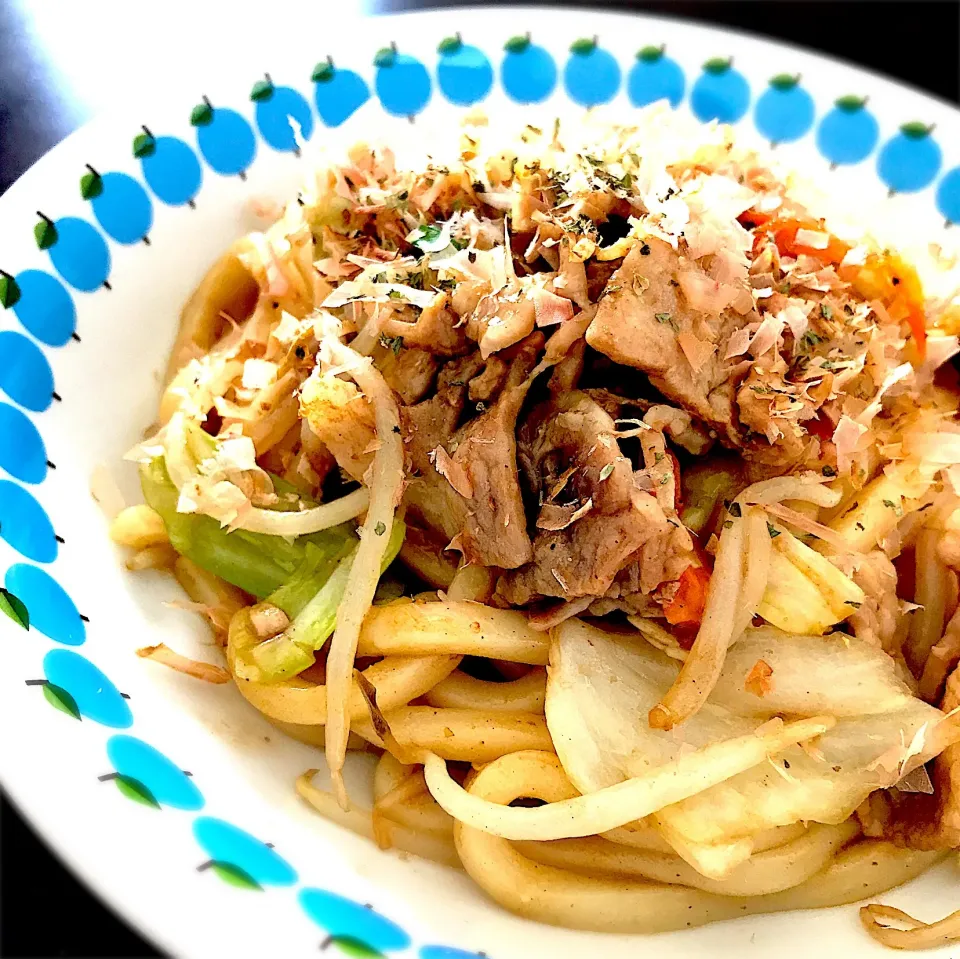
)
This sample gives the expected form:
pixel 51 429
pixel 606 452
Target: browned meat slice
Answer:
pixel 645 321
pixel 616 405
pixel 318 457
pixel 495 531
pixel 649 580
pixel 423 554
pixel 487 385
pixel 599 273
pixel 426 426
pixel 566 374
pixel 468 486
pixel 436 329
pixel 409 373
pixel 499 323
pixel 593 518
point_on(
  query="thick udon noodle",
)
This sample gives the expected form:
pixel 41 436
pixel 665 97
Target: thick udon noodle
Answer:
pixel 626 879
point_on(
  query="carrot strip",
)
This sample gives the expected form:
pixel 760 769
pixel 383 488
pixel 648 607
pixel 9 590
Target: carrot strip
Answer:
pixel 686 608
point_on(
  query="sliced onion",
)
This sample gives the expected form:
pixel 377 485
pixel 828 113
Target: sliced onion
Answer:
pixel 756 572
pixel 626 801
pixel 797 520
pixel 499 201
pixel 302 522
pixel 601 687
pixel 704 662
pixel 807 489
pixel 386 485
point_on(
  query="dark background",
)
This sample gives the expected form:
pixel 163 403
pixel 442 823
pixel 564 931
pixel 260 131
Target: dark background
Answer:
pixel 916 41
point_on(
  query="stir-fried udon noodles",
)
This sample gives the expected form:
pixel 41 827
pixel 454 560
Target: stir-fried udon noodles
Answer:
pixel 610 497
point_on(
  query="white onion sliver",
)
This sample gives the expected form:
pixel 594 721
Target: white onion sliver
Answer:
pixel 807 489
pixel 499 201
pixel 385 489
pixel 704 662
pixel 302 522
pixel 796 519
pixel 105 491
pixel 624 802
pixel 756 571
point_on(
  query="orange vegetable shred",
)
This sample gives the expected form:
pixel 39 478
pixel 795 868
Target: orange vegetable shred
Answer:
pixel 784 233
pixel 686 608
pixel 896 284
pixel 758 679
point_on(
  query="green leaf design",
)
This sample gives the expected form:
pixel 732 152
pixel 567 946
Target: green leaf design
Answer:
pixel 91 185
pixel 60 699
pixel 517 44
pixel 144 145
pixel 14 607
pixel 850 103
pixel 322 72
pixel 351 946
pixel 583 46
pixel 135 790
pixel 9 292
pixel 784 81
pixel 201 115
pixel 650 54
pixel 235 876
pixel 916 130
pixel 449 45
pixel 262 90
pixel 386 56
pixel 718 64
pixel 45 234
